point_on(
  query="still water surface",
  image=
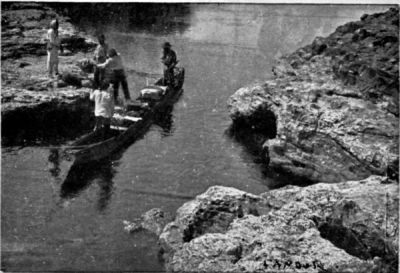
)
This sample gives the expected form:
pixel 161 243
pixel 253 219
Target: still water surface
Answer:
pixel 49 224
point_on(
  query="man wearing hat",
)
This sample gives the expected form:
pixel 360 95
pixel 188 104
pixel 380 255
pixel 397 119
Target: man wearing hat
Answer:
pixel 169 60
pixel 100 56
pixel 53 45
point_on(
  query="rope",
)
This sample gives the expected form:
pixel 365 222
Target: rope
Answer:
pixel 65 147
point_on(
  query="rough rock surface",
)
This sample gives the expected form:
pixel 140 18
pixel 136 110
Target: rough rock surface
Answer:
pixel 331 112
pixel 24 29
pixel 153 221
pixel 26 91
pixel 344 227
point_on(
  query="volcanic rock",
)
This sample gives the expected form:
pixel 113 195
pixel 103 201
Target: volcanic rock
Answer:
pixel 153 221
pixel 35 106
pixel 24 31
pixel 344 227
pixel 331 112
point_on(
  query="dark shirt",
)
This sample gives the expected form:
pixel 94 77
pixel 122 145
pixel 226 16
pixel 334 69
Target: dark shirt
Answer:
pixel 100 55
pixel 169 58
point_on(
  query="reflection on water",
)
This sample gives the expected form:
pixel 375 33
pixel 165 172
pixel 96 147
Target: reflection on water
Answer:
pixel 157 18
pixel 80 177
pixel 165 121
pixel 223 47
pixel 54 158
pixel 250 140
pixel 253 144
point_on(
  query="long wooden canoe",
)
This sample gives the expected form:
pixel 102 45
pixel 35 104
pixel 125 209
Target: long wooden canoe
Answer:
pixel 95 146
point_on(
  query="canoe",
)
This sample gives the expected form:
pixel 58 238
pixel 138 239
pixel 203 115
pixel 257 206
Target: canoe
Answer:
pixel 97 145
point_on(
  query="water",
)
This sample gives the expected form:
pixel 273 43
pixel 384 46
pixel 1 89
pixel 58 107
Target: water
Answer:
pixel 49 223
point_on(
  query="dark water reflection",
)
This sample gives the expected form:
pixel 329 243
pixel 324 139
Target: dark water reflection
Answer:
pixel 54 158
pixel 165 122
pixel 53 220
pixel 80 178
pixel 155 18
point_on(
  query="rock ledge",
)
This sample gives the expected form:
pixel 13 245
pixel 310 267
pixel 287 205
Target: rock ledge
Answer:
pixel 344 227
pixel 331 112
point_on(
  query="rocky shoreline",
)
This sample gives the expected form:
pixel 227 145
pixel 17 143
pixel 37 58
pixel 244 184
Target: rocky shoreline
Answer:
pixel 329 115
pixel 344 227
pixel 28 97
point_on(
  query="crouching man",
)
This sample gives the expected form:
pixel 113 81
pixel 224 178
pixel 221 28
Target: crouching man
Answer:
pixel 104 107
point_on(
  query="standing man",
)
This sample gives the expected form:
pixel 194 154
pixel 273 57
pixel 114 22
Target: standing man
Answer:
pixel 100 56
pixel 169 60
pixel 103 106
pixel 53 45
pixel 115 65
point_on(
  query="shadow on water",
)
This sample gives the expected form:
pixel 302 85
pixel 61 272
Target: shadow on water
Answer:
pixel 54 159
pixel 47 124
pixel 147 17
pixel 80 177
pixel 253 143
pixel 165 121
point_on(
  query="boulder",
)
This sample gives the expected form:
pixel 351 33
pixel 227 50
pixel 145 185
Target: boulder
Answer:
pixel 344 227
pixel 153 221
pixel 212 211
pixel 248 110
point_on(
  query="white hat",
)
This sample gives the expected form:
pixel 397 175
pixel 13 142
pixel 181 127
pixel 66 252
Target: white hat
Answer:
pixel 54 23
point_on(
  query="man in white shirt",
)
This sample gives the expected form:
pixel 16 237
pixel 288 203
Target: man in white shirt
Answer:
pixel 53 45
pixel 114 64
pixel 104 106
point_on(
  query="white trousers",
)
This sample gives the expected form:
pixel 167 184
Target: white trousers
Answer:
pixel 52 61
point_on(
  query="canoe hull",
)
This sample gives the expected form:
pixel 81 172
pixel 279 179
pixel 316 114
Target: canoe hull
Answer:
pixel 103 149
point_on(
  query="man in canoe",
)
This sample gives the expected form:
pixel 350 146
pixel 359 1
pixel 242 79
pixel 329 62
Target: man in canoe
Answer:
pixel 169 60
pixel 100 56
pixel 115 65
pixel 103 106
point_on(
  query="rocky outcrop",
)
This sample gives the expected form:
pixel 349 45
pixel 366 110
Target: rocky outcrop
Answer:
pixel 152 221
pixel 34 117
pixel 364 54
pixel 35 107
pixel 24 34
pixel 344 227
pixel 331 112
pixel 329 115
pixel 24 30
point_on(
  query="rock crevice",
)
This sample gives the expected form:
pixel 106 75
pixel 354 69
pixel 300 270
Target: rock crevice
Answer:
pixel 332 111
pixel 335 104
pixel 346 226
